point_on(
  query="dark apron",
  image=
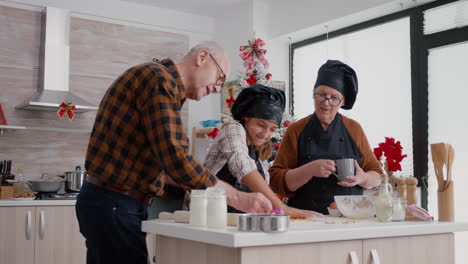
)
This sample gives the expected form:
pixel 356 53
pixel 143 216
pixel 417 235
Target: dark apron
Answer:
pixel 314 143
pixel 225 175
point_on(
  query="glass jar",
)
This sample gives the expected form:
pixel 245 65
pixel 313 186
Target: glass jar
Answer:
pixel 383 203
pixel 399 209
pixel 216 216
pixel 198 207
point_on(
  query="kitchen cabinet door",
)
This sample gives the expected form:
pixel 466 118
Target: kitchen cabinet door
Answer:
pixel 58 239
pixel 150 245
pixel 427 249
pixel 339 252
pixel 17 235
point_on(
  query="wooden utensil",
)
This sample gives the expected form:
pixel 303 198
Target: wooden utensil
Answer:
pixel 450 158
pixel 439 152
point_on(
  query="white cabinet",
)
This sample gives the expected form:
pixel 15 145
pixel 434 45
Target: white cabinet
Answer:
pixel 427 249
pixel 17 235
pixel 40 235
pixel 150 244
pixel 430 249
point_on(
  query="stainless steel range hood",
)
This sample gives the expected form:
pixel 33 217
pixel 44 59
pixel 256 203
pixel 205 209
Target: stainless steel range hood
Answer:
pixel 55 64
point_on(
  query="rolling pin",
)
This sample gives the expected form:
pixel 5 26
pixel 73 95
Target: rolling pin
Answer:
pixel 184 217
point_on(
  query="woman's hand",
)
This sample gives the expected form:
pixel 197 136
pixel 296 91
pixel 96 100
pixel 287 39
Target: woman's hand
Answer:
pixel 322 168
pixel 295 178
pixel 359 177
pixel 300 213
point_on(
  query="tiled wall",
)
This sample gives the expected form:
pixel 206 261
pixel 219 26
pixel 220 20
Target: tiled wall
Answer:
pixel 99 52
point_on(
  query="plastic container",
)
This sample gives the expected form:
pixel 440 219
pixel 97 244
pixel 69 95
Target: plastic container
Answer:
pixel 216 216
pixel 198 208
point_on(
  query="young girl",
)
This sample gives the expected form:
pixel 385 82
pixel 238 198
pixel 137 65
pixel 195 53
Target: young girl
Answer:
pixel 239 154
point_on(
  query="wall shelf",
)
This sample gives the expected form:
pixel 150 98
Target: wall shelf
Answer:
pixel 3 128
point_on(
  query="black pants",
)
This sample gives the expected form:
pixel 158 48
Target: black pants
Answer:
pixel 111 224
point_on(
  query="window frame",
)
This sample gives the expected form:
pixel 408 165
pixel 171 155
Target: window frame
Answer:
pixel 419 50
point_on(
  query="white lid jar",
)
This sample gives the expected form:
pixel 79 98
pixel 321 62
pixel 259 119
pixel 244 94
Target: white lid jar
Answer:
pixel 216 216
pixel 198 206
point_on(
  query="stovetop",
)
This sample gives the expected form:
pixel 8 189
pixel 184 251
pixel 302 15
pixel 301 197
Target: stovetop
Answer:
pixel 56 196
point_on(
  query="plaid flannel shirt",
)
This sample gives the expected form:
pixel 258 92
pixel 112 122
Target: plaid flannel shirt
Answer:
pixel 138 133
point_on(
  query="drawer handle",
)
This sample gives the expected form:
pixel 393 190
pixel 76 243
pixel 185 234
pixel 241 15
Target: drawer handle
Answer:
pixel 28 225
pixel 42 229
pixel 354 257
pixel 375 256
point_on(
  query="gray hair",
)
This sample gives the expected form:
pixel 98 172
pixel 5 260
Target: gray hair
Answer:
pixel 211 46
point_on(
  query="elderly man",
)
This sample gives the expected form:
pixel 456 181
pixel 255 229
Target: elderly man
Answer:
pixel 137 135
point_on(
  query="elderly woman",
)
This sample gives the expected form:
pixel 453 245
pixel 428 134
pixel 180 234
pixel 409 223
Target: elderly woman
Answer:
pixel 306 159
pixel 239 154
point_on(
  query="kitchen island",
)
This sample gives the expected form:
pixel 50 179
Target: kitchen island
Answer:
pixel 320 240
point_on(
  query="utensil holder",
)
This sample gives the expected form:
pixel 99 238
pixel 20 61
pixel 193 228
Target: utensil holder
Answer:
pixel 6 192
pixel 445 204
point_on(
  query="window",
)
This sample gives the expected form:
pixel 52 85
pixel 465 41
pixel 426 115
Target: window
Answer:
pixel 380 55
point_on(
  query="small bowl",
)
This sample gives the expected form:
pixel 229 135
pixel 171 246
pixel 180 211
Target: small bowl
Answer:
pixel 334 212
pixel 356 206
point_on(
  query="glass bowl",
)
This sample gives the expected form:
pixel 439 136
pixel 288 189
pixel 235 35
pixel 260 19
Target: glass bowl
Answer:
pixel 356 206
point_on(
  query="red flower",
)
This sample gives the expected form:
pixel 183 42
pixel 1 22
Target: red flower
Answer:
pixel 393 152
pixel 277 146
pixel 286 123
pixel 251 80
pixel 268 76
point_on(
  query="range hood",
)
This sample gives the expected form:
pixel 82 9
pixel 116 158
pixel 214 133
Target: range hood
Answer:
pixel 55 67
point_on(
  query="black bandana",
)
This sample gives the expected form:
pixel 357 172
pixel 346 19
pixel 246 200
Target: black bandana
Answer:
pixel 261 102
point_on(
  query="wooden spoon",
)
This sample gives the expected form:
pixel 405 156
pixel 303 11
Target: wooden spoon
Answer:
pixel 439 157
pixel 451 157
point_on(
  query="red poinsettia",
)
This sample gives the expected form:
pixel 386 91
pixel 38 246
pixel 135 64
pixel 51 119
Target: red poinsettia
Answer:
pixel 251 80
pixel 393 152
pixel 268 76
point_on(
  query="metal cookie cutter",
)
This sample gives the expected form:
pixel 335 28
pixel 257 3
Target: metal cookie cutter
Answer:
pixel 269 223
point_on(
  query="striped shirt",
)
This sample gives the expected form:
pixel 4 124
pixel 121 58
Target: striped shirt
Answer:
pixel 230 147
pixel 138 133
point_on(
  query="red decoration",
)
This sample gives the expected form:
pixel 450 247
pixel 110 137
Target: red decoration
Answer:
pixel 213 133
pixel 66 108
pixel 277 146
pixel 3 120
pixel 251 51
pixel 286 123
pixel 393 153
pixel 230 101
pixel 268 76
pixel 252 80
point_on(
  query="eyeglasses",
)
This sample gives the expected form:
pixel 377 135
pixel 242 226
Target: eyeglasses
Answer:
pixel 332 100
pixel 222 77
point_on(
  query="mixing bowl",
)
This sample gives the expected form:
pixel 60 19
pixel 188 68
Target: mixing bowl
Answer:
pixel 356 206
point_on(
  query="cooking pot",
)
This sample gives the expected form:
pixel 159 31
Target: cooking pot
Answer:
pixel 45 186
pixel 74 179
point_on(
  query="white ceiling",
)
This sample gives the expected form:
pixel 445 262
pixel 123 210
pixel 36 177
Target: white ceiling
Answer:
pixel 199 7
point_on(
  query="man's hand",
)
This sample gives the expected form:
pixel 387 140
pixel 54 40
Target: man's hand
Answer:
pixel 243 201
